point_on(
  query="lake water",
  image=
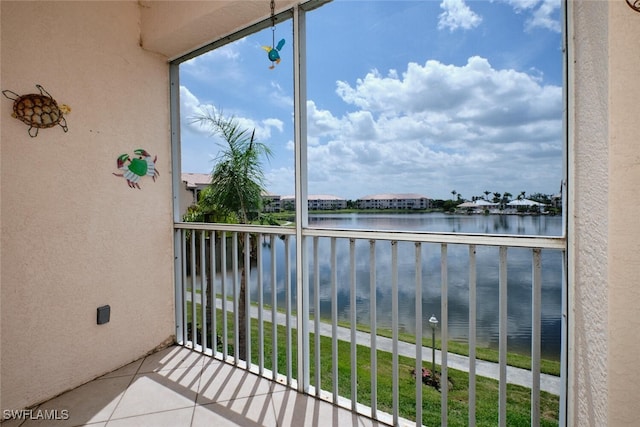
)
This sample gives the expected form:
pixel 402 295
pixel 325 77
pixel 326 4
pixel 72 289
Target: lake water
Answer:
pixel 519 270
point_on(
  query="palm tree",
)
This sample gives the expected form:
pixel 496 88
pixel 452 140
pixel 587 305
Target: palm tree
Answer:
pixel 486 194
pixel 237 184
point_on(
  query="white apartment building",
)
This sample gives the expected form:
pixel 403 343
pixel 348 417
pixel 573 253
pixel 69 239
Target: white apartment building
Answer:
pixel 394 201
pixel 316 202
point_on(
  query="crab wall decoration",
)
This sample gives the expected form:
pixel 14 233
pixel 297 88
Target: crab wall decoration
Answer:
pixel 133 169
pixel 38 110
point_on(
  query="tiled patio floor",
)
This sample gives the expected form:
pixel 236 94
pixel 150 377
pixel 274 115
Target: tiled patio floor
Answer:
pixel 178 387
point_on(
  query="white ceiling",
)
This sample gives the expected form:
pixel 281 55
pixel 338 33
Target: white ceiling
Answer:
pixel 174 28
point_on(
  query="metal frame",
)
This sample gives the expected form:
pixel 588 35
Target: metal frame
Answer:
pixel 303 233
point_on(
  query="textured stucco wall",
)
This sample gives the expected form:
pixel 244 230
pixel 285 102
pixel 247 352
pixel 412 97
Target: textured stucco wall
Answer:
pixel 605 236
pixel 624 208
pixel 74 236
pixel 588 233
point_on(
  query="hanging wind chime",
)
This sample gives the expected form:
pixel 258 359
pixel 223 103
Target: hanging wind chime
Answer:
pixel 273 51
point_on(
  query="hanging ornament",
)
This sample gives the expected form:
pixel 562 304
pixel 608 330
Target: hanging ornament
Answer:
pixel 273 51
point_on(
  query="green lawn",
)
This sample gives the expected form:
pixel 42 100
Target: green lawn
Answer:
pixel 550 367
pixel 518 398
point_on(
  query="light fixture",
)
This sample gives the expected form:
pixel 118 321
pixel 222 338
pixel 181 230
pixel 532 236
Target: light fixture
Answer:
pixel 433 322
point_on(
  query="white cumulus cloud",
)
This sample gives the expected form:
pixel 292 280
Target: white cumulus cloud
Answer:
pixel 435 127
pixel 541 13
pixel 457 15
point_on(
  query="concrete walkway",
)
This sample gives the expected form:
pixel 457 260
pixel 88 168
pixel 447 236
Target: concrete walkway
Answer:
pixel 518 376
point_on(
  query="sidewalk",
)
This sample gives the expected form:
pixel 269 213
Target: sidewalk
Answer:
pixel 517 376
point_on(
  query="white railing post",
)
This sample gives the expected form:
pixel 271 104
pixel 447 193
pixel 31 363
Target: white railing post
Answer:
pixel 352 320
pixel 418 365
pixel 536 317
pixel 179 292
pixel 203 289
pixel 316 315
pixel 444 335
pixel 260 279
pixel 247 298
pixel 334 320
pixel 374 328
pixel 502 340
pixel 394 333
pixel 472 335
pixel 300 138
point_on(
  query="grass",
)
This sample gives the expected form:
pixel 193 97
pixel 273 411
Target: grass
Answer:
pixel 550 367
pixel 518 398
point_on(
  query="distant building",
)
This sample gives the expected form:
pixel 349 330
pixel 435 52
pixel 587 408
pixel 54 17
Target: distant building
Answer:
pixel 525 205
pixel 394 201
pixel 315 202
pixel 194 183
pixel 478 206
pixel 271 202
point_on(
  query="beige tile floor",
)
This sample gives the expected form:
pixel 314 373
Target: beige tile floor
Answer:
pixel 179 387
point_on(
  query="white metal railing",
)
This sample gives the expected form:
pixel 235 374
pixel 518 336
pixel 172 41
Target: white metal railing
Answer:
pixel 209 298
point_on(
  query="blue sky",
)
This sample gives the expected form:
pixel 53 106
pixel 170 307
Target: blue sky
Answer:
pixel 403 97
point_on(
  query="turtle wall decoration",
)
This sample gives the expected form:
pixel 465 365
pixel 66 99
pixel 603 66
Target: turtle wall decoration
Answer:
pixel 134 168
pixel 38 110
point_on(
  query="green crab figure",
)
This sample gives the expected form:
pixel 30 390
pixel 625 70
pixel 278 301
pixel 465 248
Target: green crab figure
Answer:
pixel 133 169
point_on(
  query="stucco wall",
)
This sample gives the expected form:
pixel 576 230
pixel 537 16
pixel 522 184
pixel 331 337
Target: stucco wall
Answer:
pixel 588 231
pixel 75 237
pixel 605 238
pixel 624 200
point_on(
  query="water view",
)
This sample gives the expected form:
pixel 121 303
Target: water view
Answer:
pixel 519 271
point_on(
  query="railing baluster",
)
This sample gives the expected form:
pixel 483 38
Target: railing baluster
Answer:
pixel 194 315
pixel 177 291
pixel 213 294
pixel 185 335
pixel 236 292
pixel 374 328
pixel 394 333
pixel 203 288
pixel 444 335
pixel 472 335
pixel 564 336
pixel 287 293
pixel 274 310
pixel 418 366
pixel 536 309
pixel 502 340
pixel 334 319
pixel 260 280
pixel 223 276
pixel 353 320
pixel 316 314
pixel 247 297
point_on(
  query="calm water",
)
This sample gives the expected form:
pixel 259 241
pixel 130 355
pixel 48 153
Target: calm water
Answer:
pixel 518 273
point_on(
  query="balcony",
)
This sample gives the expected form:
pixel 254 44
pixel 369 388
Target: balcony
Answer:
pixel 318 330
pixel 292 384
pixel 180 387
